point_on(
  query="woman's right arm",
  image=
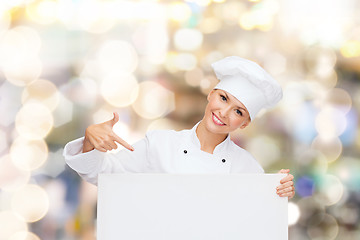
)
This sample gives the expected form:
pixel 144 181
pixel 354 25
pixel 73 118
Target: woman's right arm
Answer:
pixel 88 155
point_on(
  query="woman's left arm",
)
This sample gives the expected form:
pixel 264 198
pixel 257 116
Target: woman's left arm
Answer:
pixel 287 188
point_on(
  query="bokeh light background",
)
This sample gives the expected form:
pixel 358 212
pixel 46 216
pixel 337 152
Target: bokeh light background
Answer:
pixel 66 64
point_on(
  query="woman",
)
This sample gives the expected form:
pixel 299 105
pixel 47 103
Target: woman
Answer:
pixel 244 89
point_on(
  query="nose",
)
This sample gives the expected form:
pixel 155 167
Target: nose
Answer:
pixel 224 112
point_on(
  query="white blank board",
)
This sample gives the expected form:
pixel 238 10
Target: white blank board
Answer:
pixel 191 207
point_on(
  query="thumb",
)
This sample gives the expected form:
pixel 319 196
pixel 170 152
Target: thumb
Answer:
pixel 115 119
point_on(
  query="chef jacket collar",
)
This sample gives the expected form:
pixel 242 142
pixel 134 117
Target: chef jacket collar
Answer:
pixel 219 148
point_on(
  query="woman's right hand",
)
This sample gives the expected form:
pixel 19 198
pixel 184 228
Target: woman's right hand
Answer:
pixel 102 137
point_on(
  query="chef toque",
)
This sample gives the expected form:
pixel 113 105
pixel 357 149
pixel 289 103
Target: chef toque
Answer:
pixel 247 82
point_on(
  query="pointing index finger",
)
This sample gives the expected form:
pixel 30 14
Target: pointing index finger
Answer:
pixel 122 142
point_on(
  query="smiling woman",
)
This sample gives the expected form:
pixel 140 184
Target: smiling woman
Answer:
pixel 244 89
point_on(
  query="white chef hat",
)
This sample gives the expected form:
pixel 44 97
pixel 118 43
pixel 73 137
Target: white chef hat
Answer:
pixel 248 82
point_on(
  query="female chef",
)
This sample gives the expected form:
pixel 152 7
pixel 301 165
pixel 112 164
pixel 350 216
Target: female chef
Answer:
pixel 244 89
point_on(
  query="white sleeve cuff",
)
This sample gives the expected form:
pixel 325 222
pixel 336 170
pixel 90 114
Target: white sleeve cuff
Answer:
pixel 83 163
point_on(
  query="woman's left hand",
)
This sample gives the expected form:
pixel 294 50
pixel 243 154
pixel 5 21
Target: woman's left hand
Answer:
pixel 286 189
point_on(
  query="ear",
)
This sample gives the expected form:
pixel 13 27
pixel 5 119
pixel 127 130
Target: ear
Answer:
pixel 246 123
pixel 210 93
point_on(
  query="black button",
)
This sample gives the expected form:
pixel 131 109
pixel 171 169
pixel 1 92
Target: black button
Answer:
pixel 223 160
pixel 185 151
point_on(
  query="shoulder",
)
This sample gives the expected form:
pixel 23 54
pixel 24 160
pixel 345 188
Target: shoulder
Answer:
pixel 244 161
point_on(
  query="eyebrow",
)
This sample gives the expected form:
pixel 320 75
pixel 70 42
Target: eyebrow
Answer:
pixel 236 105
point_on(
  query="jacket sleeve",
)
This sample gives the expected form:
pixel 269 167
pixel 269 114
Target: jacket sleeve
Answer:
pixel 90 164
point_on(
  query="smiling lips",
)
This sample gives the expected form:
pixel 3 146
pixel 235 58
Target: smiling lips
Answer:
pixel 216 120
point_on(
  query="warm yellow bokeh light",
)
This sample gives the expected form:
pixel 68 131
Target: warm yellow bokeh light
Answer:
pixel 340 99
pixel 28 154
pixel 24 236
pixel 210 25
pixel 43 12
pixel 121 90
pixel 187 39
pixel 10 224
pixel 185 61
pixel 179 11
pixel 350 49
pixel 116 57
pixel 43 91
pixel 36 205
pixel 18 55
pixel 11 177
pixel 34 121
pixel 153 101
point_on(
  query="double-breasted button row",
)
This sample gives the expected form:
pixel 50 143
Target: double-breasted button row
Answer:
pixel 223 160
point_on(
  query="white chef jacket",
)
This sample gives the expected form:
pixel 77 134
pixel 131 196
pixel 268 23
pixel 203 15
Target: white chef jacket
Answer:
pixel 162 151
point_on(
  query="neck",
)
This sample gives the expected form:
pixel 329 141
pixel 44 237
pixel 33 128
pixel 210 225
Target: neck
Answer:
pixel 208 140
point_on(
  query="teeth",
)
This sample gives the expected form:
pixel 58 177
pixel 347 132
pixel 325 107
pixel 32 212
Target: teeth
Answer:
pixel 218 121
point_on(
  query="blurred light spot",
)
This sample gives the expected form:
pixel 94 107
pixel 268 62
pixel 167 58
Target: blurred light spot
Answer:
pixel 102 115
pixel 349 214
pixel 63 112
pixel 203 3
pixel 18 55
pixel 350 49
pixel 94 16
pixel 348 137
pixel 123 131
pixel 24 236
pixel 188 39
pixel 11 177
pixel 153 101
pixel 218 1
pixel 185 61
pixel 28 154
pixel 162 123
pixel 3 141
pixel 43 12
pixel 321 61
pixel 265 150
pixel 5 20
pixel 34 121
pixel 348 171
pixel 275 63
pixel 179 11
pixel 10 224
pixel 55 165
pixel 340 99
pixel 117 57
pixel 305 186
pixel 330 190
pixel 330 123
pixel 43 91
pixel 209 25
pixel 8 4
pixel 152 41
pixel 323 226
pixel 120 90
pixel 194 77
pixel 330 148
pixel 293 213
pixel 208 83
pixel 309 207
pixel 36 205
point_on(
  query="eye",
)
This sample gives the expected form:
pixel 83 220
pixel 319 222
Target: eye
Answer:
pixel 223 97
pixel 239 112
